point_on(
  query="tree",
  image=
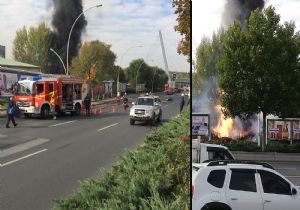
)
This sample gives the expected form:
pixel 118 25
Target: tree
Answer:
pixel 259 68
pixel 94 57
pixel 183 10
pixel 158 78
pixel 33 46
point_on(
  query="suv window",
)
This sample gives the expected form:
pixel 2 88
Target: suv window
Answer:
pixel 243 180
pixel 216 178
pixel 272 183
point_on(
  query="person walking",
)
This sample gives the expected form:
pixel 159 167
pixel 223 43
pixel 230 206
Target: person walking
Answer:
pixel 87 104
pixel 182 103
pixel 11 109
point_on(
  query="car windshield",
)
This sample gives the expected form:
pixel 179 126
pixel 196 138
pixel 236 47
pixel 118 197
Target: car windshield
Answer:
pixel 25 88
pixel 145 101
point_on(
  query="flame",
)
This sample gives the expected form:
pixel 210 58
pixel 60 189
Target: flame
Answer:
pixel 224 127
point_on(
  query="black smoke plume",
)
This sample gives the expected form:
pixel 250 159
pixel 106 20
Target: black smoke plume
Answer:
pixel 240 10
pixel 65 13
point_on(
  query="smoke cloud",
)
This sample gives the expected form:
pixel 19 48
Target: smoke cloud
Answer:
pixel 240 10
pixel 65 13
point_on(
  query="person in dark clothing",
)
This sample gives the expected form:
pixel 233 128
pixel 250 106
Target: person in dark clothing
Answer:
pixel 182 103
pixel 87 104
pixel 11 109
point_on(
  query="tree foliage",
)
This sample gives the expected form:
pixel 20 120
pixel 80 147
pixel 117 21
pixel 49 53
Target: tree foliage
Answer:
pixel 259 68
pixel 95 59
pixel 33 46
pixel 140 72
pixel 182 9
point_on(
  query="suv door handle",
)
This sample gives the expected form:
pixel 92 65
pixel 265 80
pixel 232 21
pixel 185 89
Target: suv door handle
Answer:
pixel 233 199
pixel 268 201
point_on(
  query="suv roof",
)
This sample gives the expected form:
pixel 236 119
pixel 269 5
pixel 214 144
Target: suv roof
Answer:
pixel 212 163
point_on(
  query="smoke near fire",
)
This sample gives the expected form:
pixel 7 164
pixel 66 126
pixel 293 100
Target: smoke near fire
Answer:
pixel 240 10
pixel 65 13
pixel 206 101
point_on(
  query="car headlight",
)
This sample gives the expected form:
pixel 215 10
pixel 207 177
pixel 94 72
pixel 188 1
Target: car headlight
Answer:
pixel 131 111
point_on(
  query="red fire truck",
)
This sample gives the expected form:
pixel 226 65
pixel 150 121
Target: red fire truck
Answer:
pixel 50 94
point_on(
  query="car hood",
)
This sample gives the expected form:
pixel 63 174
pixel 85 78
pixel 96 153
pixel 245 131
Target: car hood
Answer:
pixel 142 107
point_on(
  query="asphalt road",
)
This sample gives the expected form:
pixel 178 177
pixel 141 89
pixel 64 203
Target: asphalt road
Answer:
pixel 45 160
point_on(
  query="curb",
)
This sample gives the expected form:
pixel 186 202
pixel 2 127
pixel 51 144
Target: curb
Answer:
pixel 267 156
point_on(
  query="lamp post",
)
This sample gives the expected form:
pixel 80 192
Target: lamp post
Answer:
pixel 59 59
pixel 118 73
pixel 99 5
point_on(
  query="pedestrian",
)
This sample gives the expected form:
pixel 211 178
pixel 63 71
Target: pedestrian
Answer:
pixel 11 109
pixel 182 103
pixel 87 104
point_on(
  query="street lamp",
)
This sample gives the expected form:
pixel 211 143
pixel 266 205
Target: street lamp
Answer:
pixel 99 5
pixel 118 75
pixel 59 59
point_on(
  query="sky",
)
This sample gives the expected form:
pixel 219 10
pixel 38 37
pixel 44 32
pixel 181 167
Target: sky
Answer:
pixel 207 16
pixel 125 24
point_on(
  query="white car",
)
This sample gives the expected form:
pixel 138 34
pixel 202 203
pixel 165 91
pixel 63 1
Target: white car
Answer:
pixel 241 185
pixel 147 108
pixel 202 152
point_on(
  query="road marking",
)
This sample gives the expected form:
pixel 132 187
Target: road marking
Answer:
pixel 22 147
pixel 22 158
pixel 63 123
pixel 101 129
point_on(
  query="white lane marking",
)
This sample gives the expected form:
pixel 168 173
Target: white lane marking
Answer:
pixel 62 123
pixel 101 129
pixel 22 158
pixel 22 147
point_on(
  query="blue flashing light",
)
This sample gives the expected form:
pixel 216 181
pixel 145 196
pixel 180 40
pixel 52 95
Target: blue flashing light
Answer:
pixel 36 78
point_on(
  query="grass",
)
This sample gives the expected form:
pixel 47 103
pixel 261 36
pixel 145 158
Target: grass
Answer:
pixel 154 176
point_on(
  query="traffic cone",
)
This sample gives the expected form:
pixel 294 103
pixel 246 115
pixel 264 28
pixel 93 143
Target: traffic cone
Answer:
pixel 94 112
pixel 113 109
pixel 100 111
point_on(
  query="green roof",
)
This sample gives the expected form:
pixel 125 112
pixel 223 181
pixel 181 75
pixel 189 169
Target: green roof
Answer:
pixel 8 62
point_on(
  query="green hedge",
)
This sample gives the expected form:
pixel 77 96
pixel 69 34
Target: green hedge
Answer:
pixel 154 176
pixel 249 146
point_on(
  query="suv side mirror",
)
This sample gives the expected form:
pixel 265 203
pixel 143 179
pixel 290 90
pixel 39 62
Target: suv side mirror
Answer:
pixel 294 191
pixel 133 103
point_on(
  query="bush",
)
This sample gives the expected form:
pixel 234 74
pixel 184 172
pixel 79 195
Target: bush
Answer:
pixel 154 176
pixel 250 146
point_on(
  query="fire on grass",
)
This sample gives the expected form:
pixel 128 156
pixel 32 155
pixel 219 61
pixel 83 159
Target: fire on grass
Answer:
pixel 231 129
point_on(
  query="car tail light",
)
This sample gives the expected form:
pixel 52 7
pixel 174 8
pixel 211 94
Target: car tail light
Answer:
pixel 193 189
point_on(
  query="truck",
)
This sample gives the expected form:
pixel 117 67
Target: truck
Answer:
pixel 202 152
pixel 169 88
pixel 50 94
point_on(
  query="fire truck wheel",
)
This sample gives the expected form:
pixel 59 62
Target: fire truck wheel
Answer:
pixel 45 111
pixel 77 109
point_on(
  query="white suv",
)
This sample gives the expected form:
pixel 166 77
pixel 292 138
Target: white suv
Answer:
pixel 241 185
pixel 146 108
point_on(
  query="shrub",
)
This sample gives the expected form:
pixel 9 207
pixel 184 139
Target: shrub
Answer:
pixel 154 176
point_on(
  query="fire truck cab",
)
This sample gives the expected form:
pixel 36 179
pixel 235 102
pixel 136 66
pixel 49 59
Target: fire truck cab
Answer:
pixel 48 95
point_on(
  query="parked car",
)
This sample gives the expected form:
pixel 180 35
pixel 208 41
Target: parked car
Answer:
pixel 241 185
pixel 202 152
pixel 146 108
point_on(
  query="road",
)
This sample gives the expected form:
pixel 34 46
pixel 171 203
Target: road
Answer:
pixel 45 160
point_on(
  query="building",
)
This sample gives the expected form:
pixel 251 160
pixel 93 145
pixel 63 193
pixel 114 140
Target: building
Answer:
pixel 2 51
pixel 10 73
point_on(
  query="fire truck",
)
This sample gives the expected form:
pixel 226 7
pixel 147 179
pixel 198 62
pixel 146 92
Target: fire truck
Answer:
pixel 169 88
pixel 50 94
